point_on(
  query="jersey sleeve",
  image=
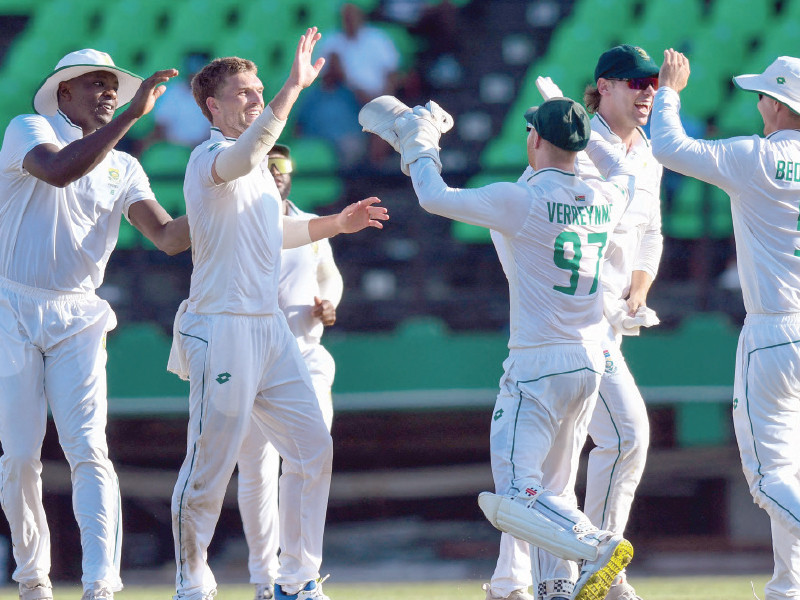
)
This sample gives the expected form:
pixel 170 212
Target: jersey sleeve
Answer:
pixel 138 186
pixel 503 207
pixel 23 134
pixel 723 163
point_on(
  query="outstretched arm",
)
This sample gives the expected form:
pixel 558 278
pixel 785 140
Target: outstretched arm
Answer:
pixel 60 167
pixel 258 139
pixel 353 218
pixel 169 235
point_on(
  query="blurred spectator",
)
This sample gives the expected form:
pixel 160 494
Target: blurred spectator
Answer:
pixel 177 117
pixel 370 61
pixel 329 110
pixel 369 57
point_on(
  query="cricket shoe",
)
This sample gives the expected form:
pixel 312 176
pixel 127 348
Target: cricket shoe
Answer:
pixel 311 591
pixel 99 591
pixel 622 591
pixel 40 591
pixel 614 553
pixel 515 595
pixel 265 591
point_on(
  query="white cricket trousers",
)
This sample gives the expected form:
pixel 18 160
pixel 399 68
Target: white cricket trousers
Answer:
pixel 52 352
pixel 259 465
pixel 766 419
pixel 242 368
pixel 620 430
pixel 538 429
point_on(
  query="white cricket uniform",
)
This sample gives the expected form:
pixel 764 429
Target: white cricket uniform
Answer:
pixel 54 246
pixel 619 425
pixel 306 272
pixel 243 364
pixel 761 177
pixel 553 231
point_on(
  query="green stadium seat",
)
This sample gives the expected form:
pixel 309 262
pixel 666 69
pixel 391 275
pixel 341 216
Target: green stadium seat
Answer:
pixel 699 210
pixel 407 45
pixel 164 158
pixel 311 154
pixel 745 17
pixel 311 191
pixel 667 25
pixel 685 219
pixel 740 116
pixel 169 194
pixel 137 363
pixel 617 12
pixel 194 24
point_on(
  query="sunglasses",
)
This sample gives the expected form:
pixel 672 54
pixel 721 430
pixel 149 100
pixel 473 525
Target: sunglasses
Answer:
pixel 281 164
pixel 641 83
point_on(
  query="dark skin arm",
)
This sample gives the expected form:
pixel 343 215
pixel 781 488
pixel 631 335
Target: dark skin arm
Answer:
pixel 167 234
pixel 60 167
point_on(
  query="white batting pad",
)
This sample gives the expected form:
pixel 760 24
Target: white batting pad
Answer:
pixel 378 116
pixel 526 523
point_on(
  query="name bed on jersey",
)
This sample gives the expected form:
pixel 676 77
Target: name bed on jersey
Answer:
pixel 567 214
pixel 788 171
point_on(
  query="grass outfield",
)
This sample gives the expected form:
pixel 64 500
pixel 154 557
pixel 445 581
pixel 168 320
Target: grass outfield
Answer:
pixel 649 588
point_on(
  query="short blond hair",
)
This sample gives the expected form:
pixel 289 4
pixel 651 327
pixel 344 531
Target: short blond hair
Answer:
pixel 207 82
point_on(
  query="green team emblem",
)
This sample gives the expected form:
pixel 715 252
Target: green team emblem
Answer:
pixel 735 402
pixel 498 414
pixel 781 80
pixel 223 378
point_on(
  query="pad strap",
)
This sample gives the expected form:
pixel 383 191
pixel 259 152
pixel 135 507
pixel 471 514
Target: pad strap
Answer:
pixel 554 588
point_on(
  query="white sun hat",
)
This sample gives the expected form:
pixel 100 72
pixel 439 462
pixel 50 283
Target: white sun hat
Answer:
pixel 780 81
pixel 75 64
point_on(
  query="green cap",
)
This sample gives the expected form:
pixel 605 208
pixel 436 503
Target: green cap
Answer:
pixel 625 62
pixel 562 122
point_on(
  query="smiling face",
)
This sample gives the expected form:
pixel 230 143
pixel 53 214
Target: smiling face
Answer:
pixel 238 103
pixel 89 100
pixel 623 108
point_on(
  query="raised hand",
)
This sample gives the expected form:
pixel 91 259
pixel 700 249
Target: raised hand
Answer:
pixel 324 310
pixel 303 72
pixel 149 91
pixel 674 71
pixel 362 214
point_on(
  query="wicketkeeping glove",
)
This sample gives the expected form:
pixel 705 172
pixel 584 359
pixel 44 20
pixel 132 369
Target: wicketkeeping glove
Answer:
pixel 548 89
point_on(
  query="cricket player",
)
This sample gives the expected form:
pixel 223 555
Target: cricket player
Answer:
pixel 309 290
pixel 761 176
pixel 233 341
pixel 64 191
pixel 554 229
pixel 626 78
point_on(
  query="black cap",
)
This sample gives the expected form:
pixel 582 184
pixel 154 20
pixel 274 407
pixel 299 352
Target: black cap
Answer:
pixel 625 62
pixel 562 122
pixel 281 149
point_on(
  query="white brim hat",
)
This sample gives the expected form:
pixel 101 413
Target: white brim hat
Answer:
pixel 780 81
pixel 75 64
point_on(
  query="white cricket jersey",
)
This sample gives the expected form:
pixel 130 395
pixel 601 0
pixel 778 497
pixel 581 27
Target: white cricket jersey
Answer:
pixel 554 229
pixel 55 238
pixel 762 178
pixel 237 233
pixel 636 244
pixel 299 284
